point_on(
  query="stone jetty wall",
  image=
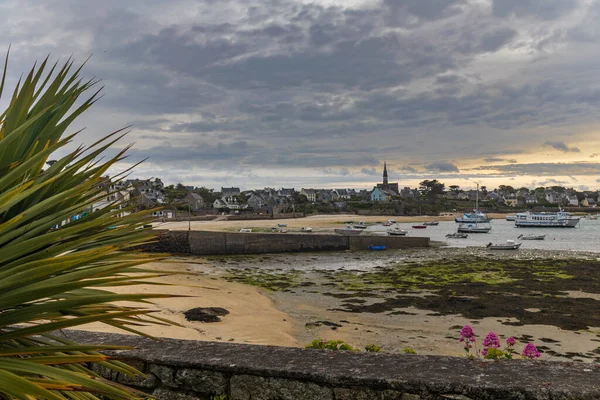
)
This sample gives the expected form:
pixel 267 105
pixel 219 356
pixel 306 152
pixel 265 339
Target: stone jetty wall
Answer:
pixel 189 370
pixel 218 243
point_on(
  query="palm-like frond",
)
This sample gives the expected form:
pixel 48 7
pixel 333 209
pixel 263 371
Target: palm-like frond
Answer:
pixel 54 275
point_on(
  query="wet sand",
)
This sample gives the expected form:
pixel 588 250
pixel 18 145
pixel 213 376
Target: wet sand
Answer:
pixel 416 299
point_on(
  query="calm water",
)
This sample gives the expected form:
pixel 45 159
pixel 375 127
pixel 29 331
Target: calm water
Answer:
pixel 584 237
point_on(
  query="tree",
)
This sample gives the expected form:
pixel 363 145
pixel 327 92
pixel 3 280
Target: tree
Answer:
pixel 454 188
pixel 53 274
pixel 430 189
pixel 208 195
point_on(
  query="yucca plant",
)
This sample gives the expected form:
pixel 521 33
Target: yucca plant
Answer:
pixel 55 275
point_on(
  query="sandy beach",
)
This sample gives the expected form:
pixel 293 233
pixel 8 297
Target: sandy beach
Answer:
pixel 317 222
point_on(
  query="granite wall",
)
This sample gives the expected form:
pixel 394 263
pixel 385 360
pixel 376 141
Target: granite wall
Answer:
pixel 214 243
pixel 189 370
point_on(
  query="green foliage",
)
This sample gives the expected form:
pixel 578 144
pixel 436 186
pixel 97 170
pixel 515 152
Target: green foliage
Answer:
pixel 373 348
pixel 219 397
pixel 409 350
pixel 497 354
pixel 330 345
pixel 54 275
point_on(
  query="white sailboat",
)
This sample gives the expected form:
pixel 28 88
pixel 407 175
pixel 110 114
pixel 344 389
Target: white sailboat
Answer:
pixel 476 225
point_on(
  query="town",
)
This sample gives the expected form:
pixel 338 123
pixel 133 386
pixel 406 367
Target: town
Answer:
pixel 432 197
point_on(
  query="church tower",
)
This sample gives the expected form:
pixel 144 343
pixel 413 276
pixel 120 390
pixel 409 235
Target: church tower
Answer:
pixel 385 175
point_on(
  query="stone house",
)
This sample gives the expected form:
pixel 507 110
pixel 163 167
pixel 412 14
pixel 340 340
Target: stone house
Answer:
pixel 311 194
pixel 194 201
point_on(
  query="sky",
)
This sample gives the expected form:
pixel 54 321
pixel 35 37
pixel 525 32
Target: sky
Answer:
pixel 299 93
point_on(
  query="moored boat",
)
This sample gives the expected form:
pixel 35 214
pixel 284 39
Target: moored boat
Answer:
pixel 306 229
pixel 373 247
pixel 388 223
pixel 509 245
pixel 474 228
pixel 457 235
pixel 419 226
pixel 431 223
pixel 531 237
pixel 511 217
pixel 559 219
pixel 397 232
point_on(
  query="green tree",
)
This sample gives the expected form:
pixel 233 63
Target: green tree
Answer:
pixel 430 189
pixel 53 274
pixel 208 195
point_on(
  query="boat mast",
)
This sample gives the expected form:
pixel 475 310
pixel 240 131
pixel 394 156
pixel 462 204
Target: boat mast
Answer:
pixel 477 201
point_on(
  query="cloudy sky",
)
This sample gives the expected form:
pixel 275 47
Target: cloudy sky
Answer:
pixel 319 93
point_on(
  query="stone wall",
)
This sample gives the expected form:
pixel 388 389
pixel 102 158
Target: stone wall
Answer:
pixel 213 243
pixel 189 370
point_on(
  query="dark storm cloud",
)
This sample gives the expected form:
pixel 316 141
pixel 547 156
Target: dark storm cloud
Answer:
pixel 562 146
pixel 442 166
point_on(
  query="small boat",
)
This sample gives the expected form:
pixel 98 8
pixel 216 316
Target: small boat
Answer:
pixel 509 245
pixel 392 221
pixel 531 237
pixel 431 223
pixel 388 223
pixel 592 217
pixel 457 235
pixel 396 232
pixel 306 229
pixel 511 217
pixel 348 231
pixel 245 230
pixel 473 228
pixel 419 226
pixel 376 247
pixel 360 225
pixel 282 225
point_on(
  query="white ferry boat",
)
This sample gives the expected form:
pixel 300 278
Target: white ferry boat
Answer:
pixel 559 219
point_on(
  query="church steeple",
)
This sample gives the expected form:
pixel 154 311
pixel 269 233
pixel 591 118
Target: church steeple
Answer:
pixel 385 174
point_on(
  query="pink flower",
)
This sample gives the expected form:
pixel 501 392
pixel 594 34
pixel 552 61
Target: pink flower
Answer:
pixel 467 334
pixel 530 351
pixel 491 340
pixel 511 341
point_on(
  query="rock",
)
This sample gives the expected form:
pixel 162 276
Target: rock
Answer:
pixel 205 314
pixel 321 323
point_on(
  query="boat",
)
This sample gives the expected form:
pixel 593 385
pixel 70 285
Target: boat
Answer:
pixel 372 247
pixel 306 229
pixel 531 237
pixel 476 216
pixel 245 230
pixel 348 231
pixel 419 226
pixel 359 226
pixel 396 232
pixel 509 245
pixel 592 217
pixel 392 221
pixel 388 223
pixel 457 235
pixel 560 219
pixel 511 217
pixel 473 228
pixel 282 225
pixel 431 223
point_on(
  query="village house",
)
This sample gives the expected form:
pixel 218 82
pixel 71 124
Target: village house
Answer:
pixel 588 202
pixel 511 200
pixel 572 200
pixel 379 194
pixel 194 201
pixel 311 194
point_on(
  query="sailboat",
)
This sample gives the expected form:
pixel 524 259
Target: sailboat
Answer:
pixel 475 216
pixel 474 224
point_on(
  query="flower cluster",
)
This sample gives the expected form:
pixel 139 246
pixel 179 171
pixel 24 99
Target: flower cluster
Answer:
pixel 468 336
pixel 530 351
pixel 491 346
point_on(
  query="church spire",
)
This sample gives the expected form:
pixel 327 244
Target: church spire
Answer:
pixel 385 174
